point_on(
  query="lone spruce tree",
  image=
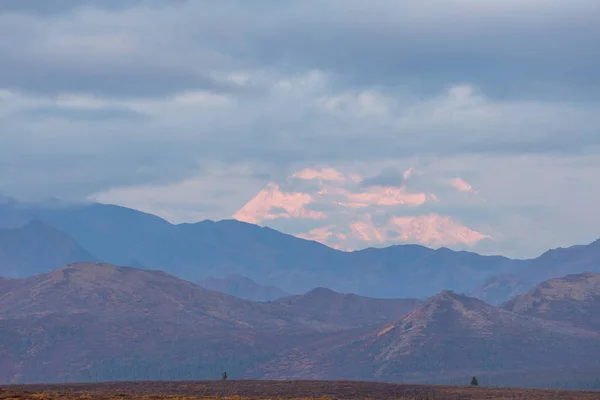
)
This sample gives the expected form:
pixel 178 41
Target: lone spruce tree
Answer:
pixel 474 381
pixel 224 377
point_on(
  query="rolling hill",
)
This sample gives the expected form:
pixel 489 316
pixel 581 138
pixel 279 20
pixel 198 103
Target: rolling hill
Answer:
pixel 448 339
pixel 574 298
pixel 244 288
pixel 464 334
pixel 348 309
pixel 94 321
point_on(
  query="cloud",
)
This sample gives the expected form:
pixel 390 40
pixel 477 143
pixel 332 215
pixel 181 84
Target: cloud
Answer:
pixel 526 203
pixel 460 184
pixel 124 101
pixel 81 114
pixel 228 188
pixel 387 196
pixel 60 6
pixel 391 43
pixel 350 216
pixel 527 50
pixel 362 104
pixel 390 176
pixel 109 52
pixel 278 129
pixel 328 174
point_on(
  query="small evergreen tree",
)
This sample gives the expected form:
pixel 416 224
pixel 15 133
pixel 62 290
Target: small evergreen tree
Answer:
pixel 474 382
pixel 224 376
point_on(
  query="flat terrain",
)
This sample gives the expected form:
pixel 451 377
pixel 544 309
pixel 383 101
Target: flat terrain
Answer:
pixel 256 390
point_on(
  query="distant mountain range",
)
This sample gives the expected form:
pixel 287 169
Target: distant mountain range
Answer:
pixel 244 288
pixel 94 321
pixel 348 309
pixel 37 247
pixel 499 288
pixel 195 252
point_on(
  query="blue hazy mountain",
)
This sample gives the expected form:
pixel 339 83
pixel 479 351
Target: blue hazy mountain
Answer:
pixel 197 251
pixel 36 248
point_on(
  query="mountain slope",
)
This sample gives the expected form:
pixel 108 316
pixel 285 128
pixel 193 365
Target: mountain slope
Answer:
pixel 101 322
pixel 348 309
pixel 115 292
pixel 498 289
pixel 573 298
pixel 552 264
pixel 5 284
pixel 563 261
pixel 244 288
pixel 449 337
pixel 35 248
pixel 94 321
pixel 107 290
pixel 464 334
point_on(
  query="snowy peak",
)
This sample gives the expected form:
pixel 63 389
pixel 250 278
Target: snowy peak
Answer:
pixel 348 212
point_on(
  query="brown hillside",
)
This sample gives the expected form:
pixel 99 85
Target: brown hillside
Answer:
pixel 573 298
pixel 99 321
pixel 451 335
pixel 349 309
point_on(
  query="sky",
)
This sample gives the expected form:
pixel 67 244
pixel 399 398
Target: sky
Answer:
pixel 461 123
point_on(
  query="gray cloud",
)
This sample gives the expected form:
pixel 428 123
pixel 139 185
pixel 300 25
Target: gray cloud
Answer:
pixel 128 81
pixel 388 177
pixel 97 95
pixel 60 6
pixel 102 114
pixel 517 50
pixel 526 50
pixel 172 140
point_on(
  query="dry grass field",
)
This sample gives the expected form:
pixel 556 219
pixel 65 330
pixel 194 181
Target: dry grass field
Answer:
pixel 266 390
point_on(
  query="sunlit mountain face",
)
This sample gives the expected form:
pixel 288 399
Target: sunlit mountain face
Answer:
pixel 347 211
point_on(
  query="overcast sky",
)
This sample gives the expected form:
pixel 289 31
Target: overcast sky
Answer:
pixel 188 109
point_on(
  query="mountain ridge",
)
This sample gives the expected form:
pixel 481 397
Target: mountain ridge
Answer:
pixel 36 247
pixel 574 298
pixel 103 322
pixel 96 321
pixel 449 337
pixel 244 288
pixel 198 251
